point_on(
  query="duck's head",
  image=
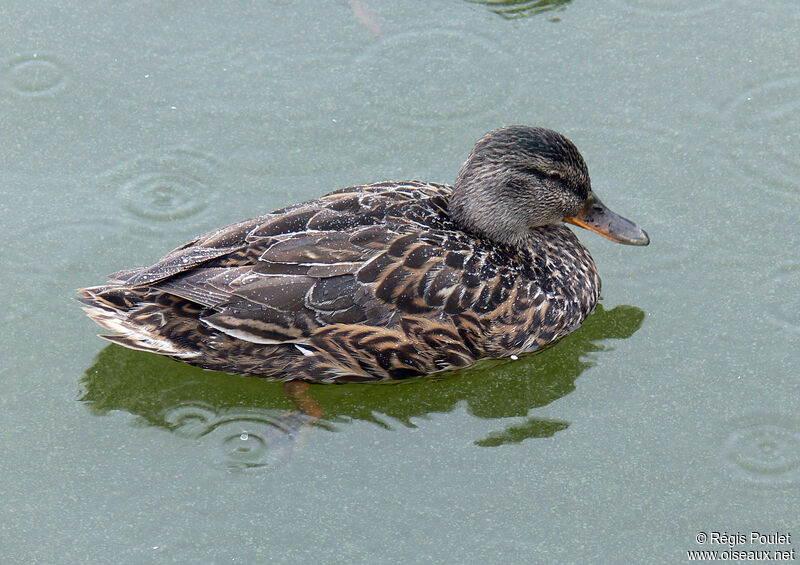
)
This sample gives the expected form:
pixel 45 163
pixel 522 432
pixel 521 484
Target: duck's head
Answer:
pixel 518 178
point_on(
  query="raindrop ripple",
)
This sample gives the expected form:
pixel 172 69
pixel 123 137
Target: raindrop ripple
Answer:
pixel 764 449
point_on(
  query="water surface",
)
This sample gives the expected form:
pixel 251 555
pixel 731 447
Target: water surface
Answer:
pixel 128 129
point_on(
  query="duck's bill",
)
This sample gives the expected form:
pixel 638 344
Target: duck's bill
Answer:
pixel 599 219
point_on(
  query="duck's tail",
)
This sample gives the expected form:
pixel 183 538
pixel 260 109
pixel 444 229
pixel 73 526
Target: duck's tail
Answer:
pixel 136 316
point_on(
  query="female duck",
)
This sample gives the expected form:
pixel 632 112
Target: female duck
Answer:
pixel 382 281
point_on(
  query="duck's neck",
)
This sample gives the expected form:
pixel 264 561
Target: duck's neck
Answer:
pixel 479 211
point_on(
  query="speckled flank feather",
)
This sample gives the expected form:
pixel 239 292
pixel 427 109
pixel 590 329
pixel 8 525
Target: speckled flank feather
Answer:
pixel 367 283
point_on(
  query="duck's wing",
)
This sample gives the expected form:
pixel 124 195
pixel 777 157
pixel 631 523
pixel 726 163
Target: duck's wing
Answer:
pixel 283 290
pixel 355 270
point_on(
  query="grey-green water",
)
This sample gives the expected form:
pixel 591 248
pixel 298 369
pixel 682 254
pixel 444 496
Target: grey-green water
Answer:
pixel 127 128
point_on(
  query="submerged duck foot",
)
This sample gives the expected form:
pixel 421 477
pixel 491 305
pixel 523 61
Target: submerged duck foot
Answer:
pixel 297 391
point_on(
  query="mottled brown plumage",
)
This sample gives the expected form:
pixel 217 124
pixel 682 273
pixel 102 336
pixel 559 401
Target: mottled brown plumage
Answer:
pixel 384 281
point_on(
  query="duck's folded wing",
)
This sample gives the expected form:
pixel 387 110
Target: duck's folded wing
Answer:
pixel 294 286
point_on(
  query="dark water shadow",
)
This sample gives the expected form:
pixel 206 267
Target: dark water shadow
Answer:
pixel 515 9
pixel 249 416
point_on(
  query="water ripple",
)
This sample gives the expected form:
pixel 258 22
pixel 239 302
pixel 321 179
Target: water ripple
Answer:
pixel 34 75
pixel 412 75
pixel 771 148
pixel 174 185
pixel 764 449
pixel 244 445
pixel 191 420
pixel 669 7
pixel 782 299
pixel 239 439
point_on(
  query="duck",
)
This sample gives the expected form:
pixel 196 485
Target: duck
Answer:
pixel 384 281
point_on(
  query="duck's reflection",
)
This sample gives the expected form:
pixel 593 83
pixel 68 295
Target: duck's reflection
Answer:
pixel 514 9
pixel 254 420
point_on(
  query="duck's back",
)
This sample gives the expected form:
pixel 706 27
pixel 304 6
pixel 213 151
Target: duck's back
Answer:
pixel 366 283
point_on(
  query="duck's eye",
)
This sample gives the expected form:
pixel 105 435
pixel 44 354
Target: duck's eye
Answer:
pixel 554 175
